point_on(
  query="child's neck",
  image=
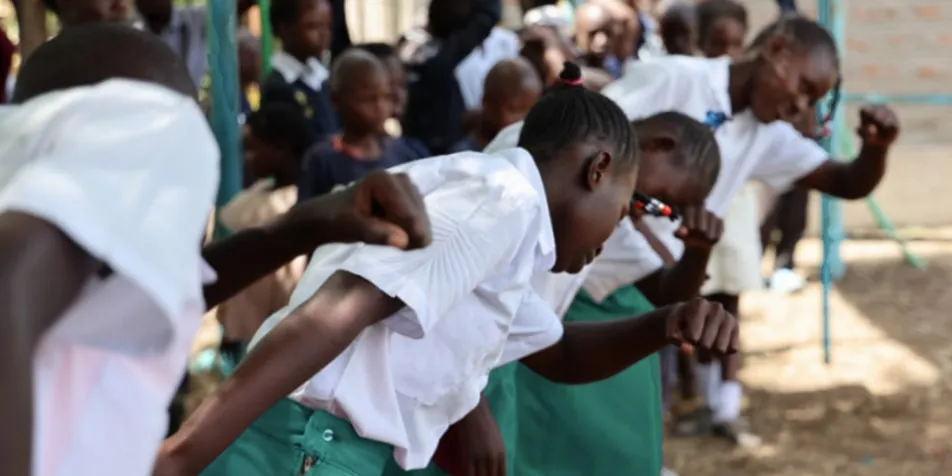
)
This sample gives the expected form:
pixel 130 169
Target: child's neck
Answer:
pixel 300 55
pixel 740 81
pixel 367 143
pixel 485 134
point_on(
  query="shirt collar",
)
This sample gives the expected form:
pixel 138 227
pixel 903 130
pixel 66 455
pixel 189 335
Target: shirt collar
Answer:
pixel 545 248
pixel 311 72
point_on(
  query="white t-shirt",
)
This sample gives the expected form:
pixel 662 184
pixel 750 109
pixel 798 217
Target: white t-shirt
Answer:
pixel 471 72
pixel 128 171
pixel 470 305
pixel 774 153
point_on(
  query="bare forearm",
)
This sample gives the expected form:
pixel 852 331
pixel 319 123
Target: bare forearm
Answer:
pixel 248 255
pixel 41 273
pixel 850 180
pixel 683 280
pixel 592 351
pixel 16 407
pixel 298 348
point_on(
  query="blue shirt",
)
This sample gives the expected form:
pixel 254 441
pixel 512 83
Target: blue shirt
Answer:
pixel 329 163
pixel 468 144
pixel 316 104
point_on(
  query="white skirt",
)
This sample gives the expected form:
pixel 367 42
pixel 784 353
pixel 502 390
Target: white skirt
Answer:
pixel 735 260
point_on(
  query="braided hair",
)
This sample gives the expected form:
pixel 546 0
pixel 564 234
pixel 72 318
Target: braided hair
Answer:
pixel 806 35
pixel 568 113
pixel 695 146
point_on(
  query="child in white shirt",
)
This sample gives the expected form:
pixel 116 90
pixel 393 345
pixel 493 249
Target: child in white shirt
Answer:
pixel 105 189
pixel 436 321
pixel 751 101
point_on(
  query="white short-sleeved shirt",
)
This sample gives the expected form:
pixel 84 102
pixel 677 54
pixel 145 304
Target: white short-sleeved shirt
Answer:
pixel 774 153
pixel 128 171
pixel 471 72
pixel 470 305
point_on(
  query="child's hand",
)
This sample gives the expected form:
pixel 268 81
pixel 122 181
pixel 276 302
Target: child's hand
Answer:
pixel 878 125
pixel 703 324
pixel 699 228
pixel 383 209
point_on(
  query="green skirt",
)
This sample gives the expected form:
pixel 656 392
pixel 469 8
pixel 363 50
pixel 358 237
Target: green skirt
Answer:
pixel 501 396
pixel 293 440
pixel 606 428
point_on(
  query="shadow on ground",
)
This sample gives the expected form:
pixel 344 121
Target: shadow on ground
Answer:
pixel 883 407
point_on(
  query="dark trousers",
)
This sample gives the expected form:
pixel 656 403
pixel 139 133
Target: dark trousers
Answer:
pixel 789 217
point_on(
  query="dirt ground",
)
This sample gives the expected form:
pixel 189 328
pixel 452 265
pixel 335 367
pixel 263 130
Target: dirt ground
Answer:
pixel 882 407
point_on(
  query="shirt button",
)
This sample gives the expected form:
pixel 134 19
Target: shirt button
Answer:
pixel 328 435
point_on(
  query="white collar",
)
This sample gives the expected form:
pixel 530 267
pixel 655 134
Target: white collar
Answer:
pixel 311 72
pixel 523 161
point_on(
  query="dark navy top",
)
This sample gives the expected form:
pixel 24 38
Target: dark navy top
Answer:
pixel 329 163
pixel 316 104
pixel 435 107
pixel 467 144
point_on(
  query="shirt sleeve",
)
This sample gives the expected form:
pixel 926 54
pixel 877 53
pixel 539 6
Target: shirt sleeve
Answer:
pixel 535 327
pixel 626 258
pixel 476 229
pixel 790 157
pixel 649 87
pixel 129 173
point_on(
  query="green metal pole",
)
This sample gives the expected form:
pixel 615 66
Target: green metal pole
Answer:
pixel 831 220
pixel 267 37
pixel 223 71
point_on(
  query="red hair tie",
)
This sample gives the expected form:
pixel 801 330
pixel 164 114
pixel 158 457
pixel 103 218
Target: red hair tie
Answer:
pixel 572 82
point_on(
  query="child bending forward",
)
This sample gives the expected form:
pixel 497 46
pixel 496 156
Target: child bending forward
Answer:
pixel 403 342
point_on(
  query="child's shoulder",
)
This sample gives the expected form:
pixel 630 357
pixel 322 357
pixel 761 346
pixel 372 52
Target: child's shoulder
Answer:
pixel 675 66
pixel 509 176
pixel 407 148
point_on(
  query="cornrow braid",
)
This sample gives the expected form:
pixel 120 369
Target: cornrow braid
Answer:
pixel 696 148
pixel 568 113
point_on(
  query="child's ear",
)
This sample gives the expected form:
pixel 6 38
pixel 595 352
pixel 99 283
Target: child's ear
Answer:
pixel 774 48
pixel 597 169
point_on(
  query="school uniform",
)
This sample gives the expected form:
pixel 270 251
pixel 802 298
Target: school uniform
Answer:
pixel 774 153
pixel 331 163
pixel 435 105
pixel 104 164
pixel 304 84
pixel 469 308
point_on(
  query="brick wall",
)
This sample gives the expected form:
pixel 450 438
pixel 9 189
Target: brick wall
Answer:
pixel 902 47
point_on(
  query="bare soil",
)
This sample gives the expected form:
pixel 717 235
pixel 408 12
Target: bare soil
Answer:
pixel 882 407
